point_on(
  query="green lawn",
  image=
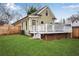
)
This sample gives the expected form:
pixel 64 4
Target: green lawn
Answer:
pixel 26 46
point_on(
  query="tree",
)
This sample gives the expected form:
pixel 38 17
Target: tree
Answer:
pixel 31 10
pixel 7 14
pixel 2 22
pixel 73 17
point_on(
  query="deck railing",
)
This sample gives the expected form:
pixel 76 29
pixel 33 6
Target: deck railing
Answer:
pixel 51 28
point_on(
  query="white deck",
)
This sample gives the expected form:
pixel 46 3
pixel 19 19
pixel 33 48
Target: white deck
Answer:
pixel 51 28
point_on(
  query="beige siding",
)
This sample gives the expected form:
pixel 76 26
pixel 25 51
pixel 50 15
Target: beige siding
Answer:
pixel 18 24
pixel 30 22
pixel 24 26
pixel 46 19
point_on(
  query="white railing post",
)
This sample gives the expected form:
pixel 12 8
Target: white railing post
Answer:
pixel 46 27
pixel 53 28
pixel 64 29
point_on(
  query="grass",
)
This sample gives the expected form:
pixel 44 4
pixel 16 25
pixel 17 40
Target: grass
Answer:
pixel 20 45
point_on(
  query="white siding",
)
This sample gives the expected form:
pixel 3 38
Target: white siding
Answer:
pixel 75 23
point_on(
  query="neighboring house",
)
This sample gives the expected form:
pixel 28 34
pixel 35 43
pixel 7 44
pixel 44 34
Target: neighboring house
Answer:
pixel 40 24
pixel 75 27
pixel 68 21
pixel 75 23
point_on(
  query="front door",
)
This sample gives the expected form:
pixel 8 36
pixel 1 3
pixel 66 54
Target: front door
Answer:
pixel 34 25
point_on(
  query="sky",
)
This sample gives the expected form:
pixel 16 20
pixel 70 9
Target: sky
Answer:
pixel 60 10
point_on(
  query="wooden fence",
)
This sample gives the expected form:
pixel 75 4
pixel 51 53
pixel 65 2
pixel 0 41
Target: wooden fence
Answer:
pixel 9 29
pixel 75 32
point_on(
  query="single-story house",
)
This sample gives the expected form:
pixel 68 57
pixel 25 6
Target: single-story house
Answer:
pixel 40 24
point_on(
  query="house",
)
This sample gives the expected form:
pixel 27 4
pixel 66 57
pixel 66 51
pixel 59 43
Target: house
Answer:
pixel 17 23
pixel 40 24
pixel 75 23
pixel 75 27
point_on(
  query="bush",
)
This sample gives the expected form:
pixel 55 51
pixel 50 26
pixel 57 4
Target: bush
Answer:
pixel 22 32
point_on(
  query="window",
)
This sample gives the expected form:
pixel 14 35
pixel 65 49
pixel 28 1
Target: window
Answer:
pixel 46 13
pixel 33 22
pixel 42 22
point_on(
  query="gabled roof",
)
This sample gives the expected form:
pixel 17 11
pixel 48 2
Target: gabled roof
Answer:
pixel 17 22
pixel 35 13
pixel 41 10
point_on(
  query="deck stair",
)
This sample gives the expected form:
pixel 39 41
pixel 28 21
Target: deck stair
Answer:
pixel 37 36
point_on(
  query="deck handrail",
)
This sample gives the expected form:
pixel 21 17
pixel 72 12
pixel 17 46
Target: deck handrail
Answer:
pixel 51 28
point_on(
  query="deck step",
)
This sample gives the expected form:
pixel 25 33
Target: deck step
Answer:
pixel 37 36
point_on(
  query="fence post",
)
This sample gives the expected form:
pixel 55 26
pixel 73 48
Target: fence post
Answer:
pixel 8 30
